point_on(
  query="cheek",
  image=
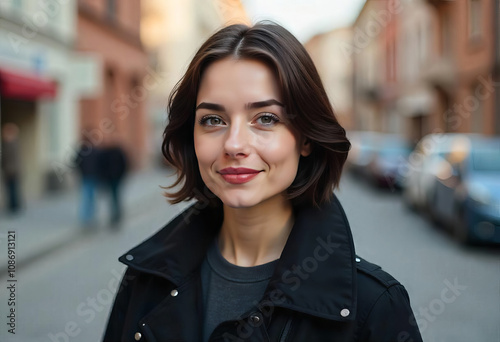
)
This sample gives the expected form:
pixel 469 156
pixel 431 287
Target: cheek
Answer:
pixel 206 150
pixel 200 150
pixel 283 152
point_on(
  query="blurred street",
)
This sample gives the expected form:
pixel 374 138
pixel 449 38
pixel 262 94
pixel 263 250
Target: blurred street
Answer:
pixel 66 295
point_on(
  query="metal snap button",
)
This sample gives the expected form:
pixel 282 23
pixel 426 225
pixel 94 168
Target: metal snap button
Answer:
pixel 129 257
pixel 358 260
pixel 345 312
pixel 137 336
pixel 174 293
pixel 255 319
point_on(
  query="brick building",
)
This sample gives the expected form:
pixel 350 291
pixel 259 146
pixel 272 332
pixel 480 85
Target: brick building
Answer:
pixel 374 56
pixel 424 66
pixel 333 61
pixel 39 92
pixel 463 65
pixel 415 104
pixel 172 31
pixel 111 30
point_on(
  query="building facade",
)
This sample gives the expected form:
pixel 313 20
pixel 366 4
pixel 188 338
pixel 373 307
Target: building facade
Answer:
pixel 427 66
pixel 462 67
pixel 172 31
pixel 415 38
pixel 331 54
pixel 38 91
pixel 374 66
pixel 117 106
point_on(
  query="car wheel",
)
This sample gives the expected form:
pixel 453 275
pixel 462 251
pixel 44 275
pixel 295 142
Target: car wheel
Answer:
pixel 433 213
pixel 409 204
pixel 460 230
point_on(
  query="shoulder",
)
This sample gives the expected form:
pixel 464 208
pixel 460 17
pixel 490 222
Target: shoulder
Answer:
pixel 373 276
pixel 373 282
pixel 383 305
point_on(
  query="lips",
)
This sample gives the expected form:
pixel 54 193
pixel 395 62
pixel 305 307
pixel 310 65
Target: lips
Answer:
pixel 238 175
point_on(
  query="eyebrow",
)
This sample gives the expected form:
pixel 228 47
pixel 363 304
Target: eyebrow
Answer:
pixel 261 104
pixel 252 105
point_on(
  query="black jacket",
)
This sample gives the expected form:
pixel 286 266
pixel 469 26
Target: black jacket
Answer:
pixel 112 164
pixel 87 160
pixel 320 290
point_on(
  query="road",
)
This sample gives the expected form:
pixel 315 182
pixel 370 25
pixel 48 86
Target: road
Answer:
pixel 455 291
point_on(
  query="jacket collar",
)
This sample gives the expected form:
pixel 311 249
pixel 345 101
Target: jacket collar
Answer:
pixel 316 273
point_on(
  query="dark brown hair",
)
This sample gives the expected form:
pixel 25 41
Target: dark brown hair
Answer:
pixel 307 108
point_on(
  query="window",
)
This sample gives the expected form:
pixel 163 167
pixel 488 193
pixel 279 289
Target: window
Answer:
pixel 423 41
pixel 446 35
pixel 474 19
pixel 477 112
pixel 18 5
pixel 111 9
pixel 391 61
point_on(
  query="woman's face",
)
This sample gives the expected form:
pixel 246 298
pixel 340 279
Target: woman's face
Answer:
pixel 246 152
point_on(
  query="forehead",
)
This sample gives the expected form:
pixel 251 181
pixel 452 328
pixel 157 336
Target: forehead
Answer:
pixel 236 79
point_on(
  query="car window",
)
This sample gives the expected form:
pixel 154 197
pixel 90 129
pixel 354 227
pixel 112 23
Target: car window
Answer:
pixel 486 160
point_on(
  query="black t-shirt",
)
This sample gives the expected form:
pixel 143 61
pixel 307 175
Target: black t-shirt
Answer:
pixel 230 290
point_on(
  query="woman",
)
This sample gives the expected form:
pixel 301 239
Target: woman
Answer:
pixel 266 253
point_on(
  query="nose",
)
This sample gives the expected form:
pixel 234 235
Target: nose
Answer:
pixel 237 143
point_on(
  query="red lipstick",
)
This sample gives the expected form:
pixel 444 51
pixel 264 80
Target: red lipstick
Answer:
pixel 238 175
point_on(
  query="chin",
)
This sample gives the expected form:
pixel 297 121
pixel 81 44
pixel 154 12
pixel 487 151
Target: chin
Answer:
pixel 238 201
pixel 239 204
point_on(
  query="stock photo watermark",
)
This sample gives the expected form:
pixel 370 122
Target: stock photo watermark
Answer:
pixel 454 118
pixel 364 36
pixel 324 249
pixel 87 310
pixel 455 115
pixel 121 106
pixel 428 314
pixel 35 22
pixel 11 282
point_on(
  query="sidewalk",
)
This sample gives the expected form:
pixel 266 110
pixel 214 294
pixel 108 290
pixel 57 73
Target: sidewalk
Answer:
pixel 52 222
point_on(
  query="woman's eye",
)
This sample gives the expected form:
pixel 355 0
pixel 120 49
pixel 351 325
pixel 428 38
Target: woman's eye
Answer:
pixel 211 121
pixel 267 119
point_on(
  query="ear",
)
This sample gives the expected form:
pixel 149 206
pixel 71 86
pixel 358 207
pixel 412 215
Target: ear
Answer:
pixel 305 148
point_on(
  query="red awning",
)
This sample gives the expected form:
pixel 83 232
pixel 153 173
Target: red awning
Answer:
pixel 26 86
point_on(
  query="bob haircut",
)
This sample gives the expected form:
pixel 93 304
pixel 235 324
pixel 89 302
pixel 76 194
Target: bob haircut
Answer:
pixel 308 112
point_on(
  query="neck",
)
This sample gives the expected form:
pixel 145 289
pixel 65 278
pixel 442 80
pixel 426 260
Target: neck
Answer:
pixel 255 236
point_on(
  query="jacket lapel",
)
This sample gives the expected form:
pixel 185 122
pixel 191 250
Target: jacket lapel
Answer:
pixel 179 316
pixel 177 250
pixel 316 272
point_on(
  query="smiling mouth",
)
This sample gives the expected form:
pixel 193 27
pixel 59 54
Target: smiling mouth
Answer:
pixel 238 175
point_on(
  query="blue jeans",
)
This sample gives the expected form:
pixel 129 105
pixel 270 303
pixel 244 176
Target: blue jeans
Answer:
pixel 116 208
pixel 12 192
pixel 87 208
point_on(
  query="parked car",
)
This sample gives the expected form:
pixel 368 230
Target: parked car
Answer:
pixel 467 190
pixel 362 151
pixel 423 165
pixel 389 161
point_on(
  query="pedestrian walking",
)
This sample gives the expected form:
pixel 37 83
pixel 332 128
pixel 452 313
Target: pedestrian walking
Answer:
pixel 113 167
pixel 265 253
pixel 11 167
pixel 86 161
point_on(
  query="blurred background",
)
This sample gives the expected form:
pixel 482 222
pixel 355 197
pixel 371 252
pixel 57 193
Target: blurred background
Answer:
pixel 83 94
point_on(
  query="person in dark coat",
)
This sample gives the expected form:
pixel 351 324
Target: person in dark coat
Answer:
pixel 11 166
pixel 265 253
pixel 113 167
pixel 86 162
